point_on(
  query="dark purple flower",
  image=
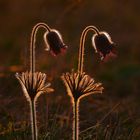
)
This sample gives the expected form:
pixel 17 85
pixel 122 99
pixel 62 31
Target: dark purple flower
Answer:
pixel 103 45
pixel 54 42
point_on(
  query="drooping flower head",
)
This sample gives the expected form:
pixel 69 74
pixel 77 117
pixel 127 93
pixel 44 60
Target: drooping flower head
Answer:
pixel 54 42
pixel 103 45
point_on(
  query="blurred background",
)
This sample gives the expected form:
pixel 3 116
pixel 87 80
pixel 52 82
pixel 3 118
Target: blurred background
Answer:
pixel 112 115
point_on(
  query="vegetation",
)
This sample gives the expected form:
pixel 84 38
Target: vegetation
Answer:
pixel 113 115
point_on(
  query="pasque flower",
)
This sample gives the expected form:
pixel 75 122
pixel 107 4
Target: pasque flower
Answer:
pixel 79 84
pixel 103 45
pixel 54 42
pixel 34 83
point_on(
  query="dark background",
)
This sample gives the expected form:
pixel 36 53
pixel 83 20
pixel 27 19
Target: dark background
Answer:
pixel 120 76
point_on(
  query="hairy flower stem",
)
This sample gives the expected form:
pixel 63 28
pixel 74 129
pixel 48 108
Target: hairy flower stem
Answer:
pixel 81 48
pixel 76 120
pixel 33 120
pixel 32 70
pixel 80 70
pixel 32 44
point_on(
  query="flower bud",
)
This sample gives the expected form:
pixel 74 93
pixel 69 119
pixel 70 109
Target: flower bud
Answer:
pixel 54 42
pixel 103 45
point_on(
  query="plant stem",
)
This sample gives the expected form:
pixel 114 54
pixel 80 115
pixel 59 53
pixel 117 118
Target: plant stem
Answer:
pixel 32 44
pixel 81 48
pixel 32 70
pixel 76 120
pixel 33 120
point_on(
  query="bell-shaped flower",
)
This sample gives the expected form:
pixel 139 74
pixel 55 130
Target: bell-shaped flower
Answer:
pixel 54 42
pixel 103 45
